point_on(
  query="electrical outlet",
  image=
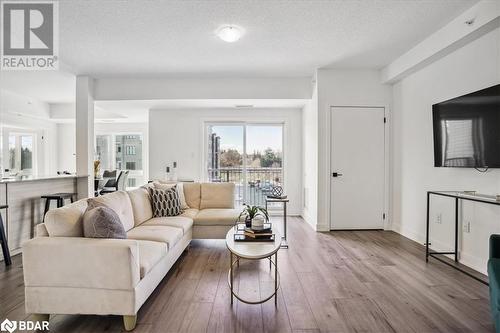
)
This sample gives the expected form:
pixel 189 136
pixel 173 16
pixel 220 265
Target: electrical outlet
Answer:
pixel 439 218
pixel 466 227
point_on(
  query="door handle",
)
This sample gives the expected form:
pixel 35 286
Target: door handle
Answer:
pixel 336 174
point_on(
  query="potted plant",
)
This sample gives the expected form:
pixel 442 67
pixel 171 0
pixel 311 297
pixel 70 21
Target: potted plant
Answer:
pixel 253 212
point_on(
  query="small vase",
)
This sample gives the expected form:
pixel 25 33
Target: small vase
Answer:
pixel 248 222
pixel 258 223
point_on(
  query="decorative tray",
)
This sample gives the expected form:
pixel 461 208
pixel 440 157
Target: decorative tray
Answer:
pixel 241 231
pixel 240 237
pixel 240 227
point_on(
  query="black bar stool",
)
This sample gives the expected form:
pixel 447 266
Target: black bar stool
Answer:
pixel 3 240
pixel 59 198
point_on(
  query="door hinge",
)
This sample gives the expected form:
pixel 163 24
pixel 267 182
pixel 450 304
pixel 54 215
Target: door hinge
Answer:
pixel 383 216
pixel 385 120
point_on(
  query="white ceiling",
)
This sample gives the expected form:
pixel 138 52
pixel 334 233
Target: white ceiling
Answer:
pixel 282 38
pixel 176 38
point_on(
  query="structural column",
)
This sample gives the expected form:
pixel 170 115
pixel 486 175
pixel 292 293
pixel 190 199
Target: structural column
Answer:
pixel 85 136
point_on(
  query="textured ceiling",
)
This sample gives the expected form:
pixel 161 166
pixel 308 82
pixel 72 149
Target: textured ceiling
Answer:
pixel 282 38
pixel 46 86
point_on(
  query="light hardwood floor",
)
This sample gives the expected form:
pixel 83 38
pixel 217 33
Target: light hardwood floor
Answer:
pixel 348 281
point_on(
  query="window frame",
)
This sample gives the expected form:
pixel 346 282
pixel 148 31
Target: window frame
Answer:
pixel 112 144
pixel 244 124
pixel 18 147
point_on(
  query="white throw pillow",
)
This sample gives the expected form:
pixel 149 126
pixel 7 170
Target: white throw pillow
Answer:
pixel 182 197
pixel 180 191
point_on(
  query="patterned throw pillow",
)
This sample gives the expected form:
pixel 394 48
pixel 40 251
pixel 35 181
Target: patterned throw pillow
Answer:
pixel 165 202
pixel 180 191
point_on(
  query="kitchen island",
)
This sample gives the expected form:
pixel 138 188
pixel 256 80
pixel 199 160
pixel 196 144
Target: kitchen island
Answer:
pixel 25 205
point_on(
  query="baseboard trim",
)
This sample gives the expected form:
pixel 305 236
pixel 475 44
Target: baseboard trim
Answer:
pixel 312 224
pixel 474 262
pixel 322 227
pixel 307 219
pixel 464 258
pixel 408 233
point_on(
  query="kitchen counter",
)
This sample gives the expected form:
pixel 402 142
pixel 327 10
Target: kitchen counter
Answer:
pixel 17 179
pixel 26 207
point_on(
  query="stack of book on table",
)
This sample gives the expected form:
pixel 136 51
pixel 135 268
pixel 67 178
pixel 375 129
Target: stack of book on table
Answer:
pixel 245 234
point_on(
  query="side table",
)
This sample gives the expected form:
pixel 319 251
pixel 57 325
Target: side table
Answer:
pixel 284 242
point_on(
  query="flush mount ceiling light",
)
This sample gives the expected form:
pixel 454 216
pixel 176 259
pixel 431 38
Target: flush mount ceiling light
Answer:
pixel 229 33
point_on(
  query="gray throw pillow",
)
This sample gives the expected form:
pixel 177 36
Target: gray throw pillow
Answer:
pixel 102 222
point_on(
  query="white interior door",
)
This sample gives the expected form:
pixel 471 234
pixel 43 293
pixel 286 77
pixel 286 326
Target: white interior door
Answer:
pixel 357 168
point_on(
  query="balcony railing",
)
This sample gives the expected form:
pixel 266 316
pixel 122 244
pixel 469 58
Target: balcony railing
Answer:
pixel 252 190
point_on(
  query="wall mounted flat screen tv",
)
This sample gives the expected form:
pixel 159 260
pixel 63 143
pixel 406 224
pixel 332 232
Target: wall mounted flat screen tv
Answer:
pixel 467 130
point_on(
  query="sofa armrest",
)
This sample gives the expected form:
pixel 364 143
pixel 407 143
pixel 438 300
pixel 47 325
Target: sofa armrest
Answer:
pixel 81 263
pixel 494 246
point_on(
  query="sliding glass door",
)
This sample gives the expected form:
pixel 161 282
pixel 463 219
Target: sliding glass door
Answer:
pixel 264 161
pixel 249 155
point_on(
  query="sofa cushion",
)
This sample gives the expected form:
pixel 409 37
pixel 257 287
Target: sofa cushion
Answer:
pixel 216 216
pixel 66 221
pixel 184 223
pixel 217 195
pixel 141 205
pixel 118 201
pixel 165 202
pixel 102 222
pixel 156 233
pixel 192 193
pixel 190 212
pixel 150 254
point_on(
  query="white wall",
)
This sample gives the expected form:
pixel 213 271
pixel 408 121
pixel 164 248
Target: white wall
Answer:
pixel 66 147
pixel 63 111
pixel 342 88
pixel 470 68
pixel 21 113
pixel 310 159
pixel 203 88
pixel 177 135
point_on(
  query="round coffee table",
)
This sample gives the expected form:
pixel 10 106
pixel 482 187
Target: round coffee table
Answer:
pixel 253 251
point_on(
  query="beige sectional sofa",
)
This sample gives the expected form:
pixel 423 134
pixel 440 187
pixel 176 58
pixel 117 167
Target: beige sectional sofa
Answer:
pixel 66 273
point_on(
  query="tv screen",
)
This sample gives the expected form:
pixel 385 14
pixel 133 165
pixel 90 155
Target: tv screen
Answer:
pixel 467 130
